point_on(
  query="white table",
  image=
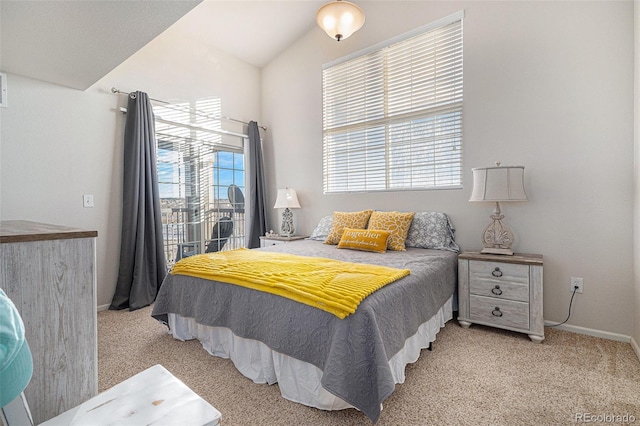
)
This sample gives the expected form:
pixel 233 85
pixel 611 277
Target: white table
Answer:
pixel 152 397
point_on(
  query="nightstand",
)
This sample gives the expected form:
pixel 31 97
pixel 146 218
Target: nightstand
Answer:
pixel 277 239
pixel 501 291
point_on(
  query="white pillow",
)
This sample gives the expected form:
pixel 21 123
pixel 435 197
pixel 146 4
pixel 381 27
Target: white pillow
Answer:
pixel 321 232
pixel 432 230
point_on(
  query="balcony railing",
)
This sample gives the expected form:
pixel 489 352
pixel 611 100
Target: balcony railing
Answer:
pixel 184 235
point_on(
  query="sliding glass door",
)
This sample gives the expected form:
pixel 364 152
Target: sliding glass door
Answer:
pixel 201 178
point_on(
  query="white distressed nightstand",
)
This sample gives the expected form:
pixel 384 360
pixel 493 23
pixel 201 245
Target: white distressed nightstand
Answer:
pixel 501 291
pixel 277 239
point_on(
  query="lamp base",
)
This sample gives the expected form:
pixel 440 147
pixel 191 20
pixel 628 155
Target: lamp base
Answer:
pixel 286 228
pixel 497 237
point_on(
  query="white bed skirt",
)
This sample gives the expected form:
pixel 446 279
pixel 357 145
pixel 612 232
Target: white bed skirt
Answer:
pixel 298 381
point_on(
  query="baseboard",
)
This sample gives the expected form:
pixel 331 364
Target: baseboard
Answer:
pixel 635 347
pixel 103 308
pixel 591 332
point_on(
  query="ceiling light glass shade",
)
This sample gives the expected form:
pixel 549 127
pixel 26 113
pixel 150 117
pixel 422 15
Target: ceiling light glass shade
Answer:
pixel 339 19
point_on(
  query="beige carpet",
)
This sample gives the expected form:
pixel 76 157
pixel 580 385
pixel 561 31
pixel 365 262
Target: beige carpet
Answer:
pixel 479 376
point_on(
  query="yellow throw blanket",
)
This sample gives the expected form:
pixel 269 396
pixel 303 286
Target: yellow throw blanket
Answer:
pixel 331 285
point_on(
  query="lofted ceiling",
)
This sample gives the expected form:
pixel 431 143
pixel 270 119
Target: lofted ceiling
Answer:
pixel 253 31
pixel 76 43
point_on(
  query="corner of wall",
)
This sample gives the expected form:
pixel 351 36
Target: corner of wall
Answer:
pixel 635 336
pixel 636 348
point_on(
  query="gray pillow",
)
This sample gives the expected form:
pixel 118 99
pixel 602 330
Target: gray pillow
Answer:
pixel 432 230
pixel 321 232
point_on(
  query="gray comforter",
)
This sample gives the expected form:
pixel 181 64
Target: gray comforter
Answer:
pixel 353 353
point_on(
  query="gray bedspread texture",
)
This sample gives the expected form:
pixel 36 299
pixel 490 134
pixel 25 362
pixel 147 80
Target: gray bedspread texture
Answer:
pixel 353 353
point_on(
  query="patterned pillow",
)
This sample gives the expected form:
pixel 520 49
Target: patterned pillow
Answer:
pixel 364 239
pixel 321 232
pixel 432 230
pixel 341 220
pixel 395 222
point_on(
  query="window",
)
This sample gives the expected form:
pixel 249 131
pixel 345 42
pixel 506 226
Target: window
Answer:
pixel 200 173
pixel 392 116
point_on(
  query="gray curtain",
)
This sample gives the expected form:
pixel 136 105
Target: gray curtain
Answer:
pixel 257 214
pixel 142 261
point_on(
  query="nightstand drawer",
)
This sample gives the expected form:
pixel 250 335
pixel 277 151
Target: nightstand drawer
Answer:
pixel 498 272
pixel 274 240
pixel 505 313
pixel 499 290
pixel 266 242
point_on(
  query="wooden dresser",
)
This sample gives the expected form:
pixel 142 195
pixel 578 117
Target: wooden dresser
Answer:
pixel 501 291
pixel 49 273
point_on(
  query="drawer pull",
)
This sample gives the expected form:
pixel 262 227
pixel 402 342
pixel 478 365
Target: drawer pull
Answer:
pixel 496 312
pixel 496 272
pixel 496 290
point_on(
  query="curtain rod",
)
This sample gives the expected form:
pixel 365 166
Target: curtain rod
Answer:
pixel 220 117
pixel 202 129
pixel 194 127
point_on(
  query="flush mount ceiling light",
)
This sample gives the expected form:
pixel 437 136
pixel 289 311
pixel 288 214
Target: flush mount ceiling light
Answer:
pixel 339 19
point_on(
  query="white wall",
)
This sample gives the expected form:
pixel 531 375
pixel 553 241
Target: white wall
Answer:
pixel 56 145
pixel 59 143
pixel 548 85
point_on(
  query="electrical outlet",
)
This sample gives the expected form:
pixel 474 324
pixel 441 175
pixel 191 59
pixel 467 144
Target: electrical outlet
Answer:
pixel 576 282
pixel 87 200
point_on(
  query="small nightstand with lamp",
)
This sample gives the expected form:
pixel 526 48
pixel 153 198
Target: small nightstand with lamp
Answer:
pixel 495 286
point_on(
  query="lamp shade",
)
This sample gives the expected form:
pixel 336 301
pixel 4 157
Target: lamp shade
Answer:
pixel 498 184
pixel 339 19
pixel 287 198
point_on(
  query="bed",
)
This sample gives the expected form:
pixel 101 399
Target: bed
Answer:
pixel 316 358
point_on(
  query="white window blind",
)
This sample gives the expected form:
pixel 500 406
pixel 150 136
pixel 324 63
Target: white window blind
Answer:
pixel 392 117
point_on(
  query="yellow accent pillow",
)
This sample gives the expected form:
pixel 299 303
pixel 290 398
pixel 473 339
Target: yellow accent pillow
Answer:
pixel 341 220
pixel 395 222
pixel 364 239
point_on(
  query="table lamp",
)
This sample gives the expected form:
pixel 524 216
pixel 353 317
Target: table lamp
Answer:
pixel 498 184
pixel 287 199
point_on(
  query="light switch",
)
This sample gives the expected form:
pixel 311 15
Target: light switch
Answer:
pixel 87 200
